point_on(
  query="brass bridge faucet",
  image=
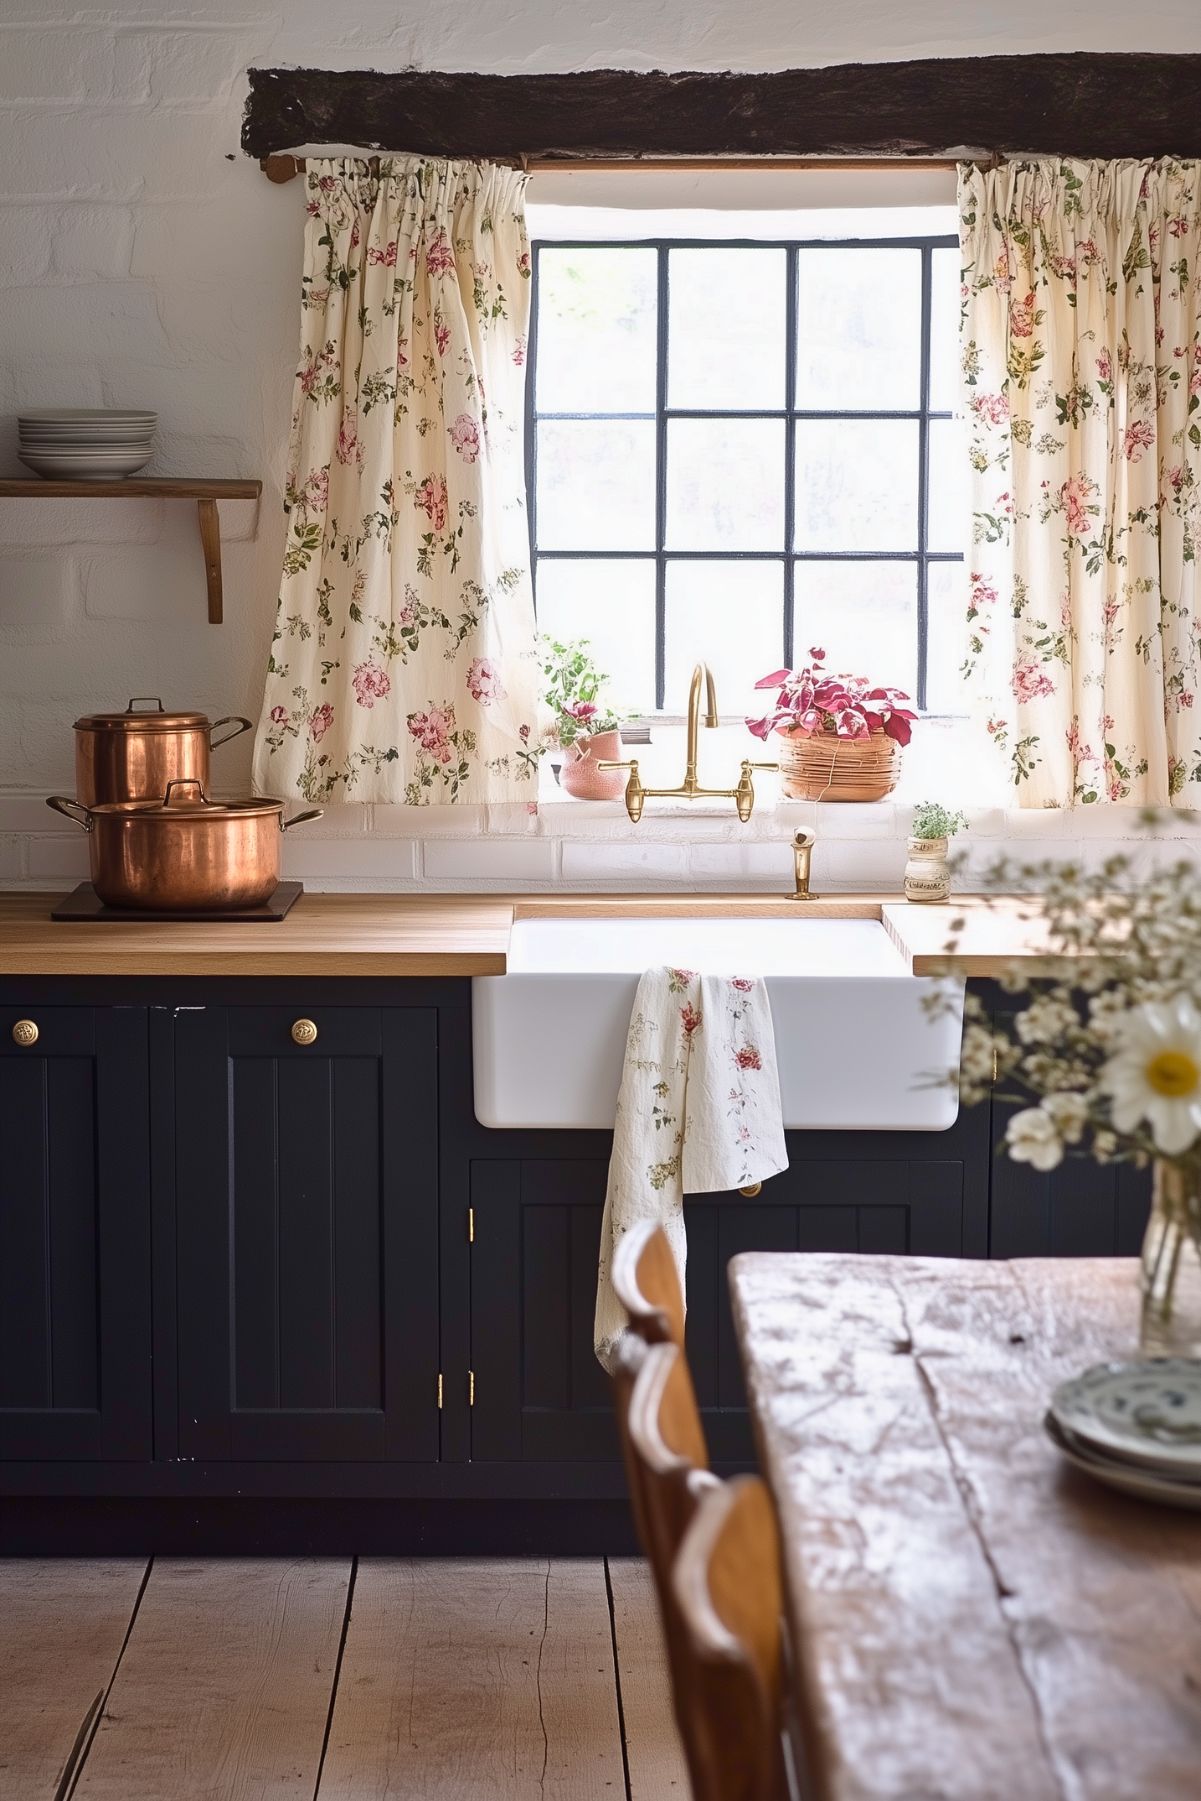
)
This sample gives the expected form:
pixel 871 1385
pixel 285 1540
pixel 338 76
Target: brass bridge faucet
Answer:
pixel 743 795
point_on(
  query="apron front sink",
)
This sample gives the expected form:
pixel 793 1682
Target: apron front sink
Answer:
pixel 854 1042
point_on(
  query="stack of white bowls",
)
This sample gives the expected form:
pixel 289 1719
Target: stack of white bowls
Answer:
pixel 98 444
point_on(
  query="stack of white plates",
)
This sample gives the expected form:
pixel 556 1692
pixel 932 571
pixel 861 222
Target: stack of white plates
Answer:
pixel 98 444
pixel 1135 1427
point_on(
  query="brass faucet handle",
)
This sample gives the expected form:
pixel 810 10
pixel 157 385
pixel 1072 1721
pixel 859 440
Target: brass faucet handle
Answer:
pixel 763 766
pixel 635 792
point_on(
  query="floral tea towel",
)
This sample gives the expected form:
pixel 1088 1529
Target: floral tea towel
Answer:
pixel 698 1113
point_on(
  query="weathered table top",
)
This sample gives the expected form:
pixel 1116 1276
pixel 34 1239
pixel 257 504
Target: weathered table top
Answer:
pixel 973 1618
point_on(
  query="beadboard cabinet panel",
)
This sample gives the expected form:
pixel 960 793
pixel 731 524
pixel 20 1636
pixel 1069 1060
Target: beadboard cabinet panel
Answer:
pixel 539 1392
pixel 307 1234
pixel 74 1234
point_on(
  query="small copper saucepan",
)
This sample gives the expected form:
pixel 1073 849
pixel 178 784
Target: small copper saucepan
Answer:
pixel 184 853
pixel 134 754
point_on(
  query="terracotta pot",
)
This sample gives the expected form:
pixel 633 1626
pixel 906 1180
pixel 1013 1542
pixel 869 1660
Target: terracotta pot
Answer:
pixel 827 767
pixel 583 779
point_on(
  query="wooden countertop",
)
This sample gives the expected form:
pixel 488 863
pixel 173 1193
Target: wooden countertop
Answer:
pixel 465 934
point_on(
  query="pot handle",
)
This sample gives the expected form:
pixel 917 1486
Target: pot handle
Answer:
pixel 73 810
pixel 239 724
pixel 183 782
pixel 152 701
pixel 285 825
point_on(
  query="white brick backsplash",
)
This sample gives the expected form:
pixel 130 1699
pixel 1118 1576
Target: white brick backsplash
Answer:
pixel 57 859
pixel 63 63
pixel 12 860
pixel 763 865
pixel 27 236
pixel 95 317
pixel 495 860
pixel 652 864
pixel 333 862
pixel 85 522
pixel 36 593
pixel 395 821
pixel 93 240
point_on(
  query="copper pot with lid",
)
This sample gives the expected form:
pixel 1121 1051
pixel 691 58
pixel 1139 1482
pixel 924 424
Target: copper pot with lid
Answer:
pixel 184 852
pixel 133 755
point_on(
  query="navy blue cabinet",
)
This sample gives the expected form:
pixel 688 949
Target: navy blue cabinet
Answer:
pixel 238 1259
pixel 74 1233
pixel 540 1395
pixel 306 1223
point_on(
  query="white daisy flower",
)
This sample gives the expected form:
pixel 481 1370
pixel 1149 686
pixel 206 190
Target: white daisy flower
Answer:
pixel 1032 1137
pixel 1155 1073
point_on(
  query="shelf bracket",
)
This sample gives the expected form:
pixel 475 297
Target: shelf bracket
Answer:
pixel 210 544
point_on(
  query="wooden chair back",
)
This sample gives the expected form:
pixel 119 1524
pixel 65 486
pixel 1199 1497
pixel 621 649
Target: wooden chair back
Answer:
pixel 647 1284
pixel 728 1658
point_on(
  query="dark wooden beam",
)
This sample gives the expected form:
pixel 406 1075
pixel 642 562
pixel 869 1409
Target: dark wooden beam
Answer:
pixel 1078 104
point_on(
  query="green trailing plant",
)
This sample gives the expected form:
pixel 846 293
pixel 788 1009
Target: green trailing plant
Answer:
pixel 574 691
pixel 932 820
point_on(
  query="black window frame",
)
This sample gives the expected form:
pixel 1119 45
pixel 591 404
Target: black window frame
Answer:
pixel 789 413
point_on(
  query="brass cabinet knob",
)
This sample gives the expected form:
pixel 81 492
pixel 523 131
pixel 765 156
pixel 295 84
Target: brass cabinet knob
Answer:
pixel 304 1032
pixel 751 1190
pixel 25 1032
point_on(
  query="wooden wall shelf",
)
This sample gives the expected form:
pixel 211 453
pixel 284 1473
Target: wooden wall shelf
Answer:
pixel 204 492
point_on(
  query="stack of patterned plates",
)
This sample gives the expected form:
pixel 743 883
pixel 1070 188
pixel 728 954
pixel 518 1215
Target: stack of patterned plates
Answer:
pixel 1134 1426
pixel 98 444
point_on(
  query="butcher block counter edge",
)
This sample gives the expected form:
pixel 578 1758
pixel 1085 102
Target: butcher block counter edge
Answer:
pixel 467 934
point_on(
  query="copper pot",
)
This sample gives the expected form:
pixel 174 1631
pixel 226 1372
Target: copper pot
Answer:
pixel 184 853
pixel 134 754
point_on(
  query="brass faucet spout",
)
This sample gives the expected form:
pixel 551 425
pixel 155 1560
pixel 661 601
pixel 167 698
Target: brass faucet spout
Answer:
pixel 702 672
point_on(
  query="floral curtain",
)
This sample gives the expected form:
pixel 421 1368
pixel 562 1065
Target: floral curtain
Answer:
pixel 1081 347
pixel 402 666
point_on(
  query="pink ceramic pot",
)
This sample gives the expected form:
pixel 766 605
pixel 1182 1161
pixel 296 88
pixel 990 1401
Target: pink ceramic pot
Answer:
pixel 583 779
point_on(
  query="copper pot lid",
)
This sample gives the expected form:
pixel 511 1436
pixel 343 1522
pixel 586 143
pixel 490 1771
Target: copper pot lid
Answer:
pixel 154 718
pixel 188 797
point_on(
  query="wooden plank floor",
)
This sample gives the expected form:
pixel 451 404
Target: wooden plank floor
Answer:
pixel 333 1680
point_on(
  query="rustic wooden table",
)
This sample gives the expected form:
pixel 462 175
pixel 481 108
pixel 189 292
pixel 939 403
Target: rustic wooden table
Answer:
pixel 972 1618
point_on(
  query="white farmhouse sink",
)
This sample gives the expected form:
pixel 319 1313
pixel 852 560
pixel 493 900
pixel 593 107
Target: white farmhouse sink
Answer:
pixel 853 1041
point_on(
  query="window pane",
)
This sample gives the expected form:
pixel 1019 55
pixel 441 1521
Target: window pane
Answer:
pixel 725 484
pixel 950 517
pixel 859 323
pixel 726 324
pixel 596 485
pixel 612 604
pixel 865 617
pixel 856 484
pixel 944 331
pixel 731 615
pixel 596 331
pixel 946 610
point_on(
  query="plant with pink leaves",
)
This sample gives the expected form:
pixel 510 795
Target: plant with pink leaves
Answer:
pixel 810 703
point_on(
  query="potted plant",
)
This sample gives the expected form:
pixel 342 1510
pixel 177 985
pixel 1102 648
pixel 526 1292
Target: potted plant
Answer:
pixel 927 869
pixel 840 736
pixel 583 724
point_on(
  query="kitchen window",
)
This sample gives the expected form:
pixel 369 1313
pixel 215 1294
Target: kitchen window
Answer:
pixel 741 448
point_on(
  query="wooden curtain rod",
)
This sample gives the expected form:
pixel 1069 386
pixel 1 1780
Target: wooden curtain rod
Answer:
pixel 281 168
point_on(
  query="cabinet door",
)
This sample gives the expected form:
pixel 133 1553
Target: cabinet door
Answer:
pixel 539 1392
pixel 307 1233
pixel 1081 1209
pixel 74 1235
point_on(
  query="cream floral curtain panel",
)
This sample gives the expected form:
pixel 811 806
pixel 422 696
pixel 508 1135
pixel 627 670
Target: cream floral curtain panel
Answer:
pixel 402 667
pixel 1081 342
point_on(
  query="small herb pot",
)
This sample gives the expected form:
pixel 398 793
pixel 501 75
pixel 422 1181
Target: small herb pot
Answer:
pixel 927 871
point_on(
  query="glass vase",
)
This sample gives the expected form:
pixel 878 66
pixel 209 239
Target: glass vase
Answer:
pixel 1171 1267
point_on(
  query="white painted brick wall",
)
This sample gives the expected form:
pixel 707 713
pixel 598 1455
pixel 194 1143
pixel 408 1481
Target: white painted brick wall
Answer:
pixel 147 262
